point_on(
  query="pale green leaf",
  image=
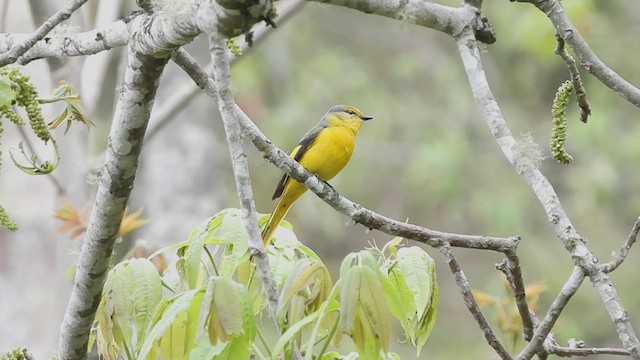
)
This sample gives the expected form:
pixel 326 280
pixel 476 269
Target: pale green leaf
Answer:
pixel 292 331
pixel 204 349
pixel 146 293
pixel 400 297
pixel 165 319
pixel 349 294
pixel 417 267
pixel 375 306
pixel 228 301
pixel 193 255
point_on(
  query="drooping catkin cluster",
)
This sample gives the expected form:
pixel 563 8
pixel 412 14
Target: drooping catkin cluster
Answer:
pixel 26 96
pixel 559 133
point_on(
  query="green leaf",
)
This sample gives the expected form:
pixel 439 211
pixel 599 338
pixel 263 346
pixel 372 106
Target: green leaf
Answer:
pixel 418 268
pixel 349 294
pixel 375 306
pixel 234 233
pixel 146 291
pixel 193 255
pixel 166 318
pixel 291 332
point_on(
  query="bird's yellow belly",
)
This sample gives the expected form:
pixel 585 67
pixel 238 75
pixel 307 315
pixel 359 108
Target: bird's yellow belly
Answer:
pixel 330 152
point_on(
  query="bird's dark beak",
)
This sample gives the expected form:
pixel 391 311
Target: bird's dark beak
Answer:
pixel 365 117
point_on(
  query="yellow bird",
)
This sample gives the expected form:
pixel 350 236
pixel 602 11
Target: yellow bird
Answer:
pixel 324 150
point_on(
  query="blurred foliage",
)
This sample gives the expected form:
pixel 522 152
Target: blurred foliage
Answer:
pixel 505 311
pixel 428 156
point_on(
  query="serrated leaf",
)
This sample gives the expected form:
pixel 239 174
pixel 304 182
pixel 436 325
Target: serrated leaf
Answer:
pixel 233 232
pixel 417 267
pixel 146 292
pixel 193 254
pixel 429 320
pixel 399 297
pixel 349 294
pixel 375 306
pixel 227 296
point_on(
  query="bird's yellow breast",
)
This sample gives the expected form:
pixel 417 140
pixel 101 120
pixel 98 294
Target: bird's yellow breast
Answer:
pixel 330 151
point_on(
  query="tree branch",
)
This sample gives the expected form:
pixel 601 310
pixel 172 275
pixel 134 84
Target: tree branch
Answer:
pixel 544 191
pixel 226 105
pixel 622 253
pixel 125 143
pixel 544 328
pixel 588 59
pixel 578 86
pixel 19 49
pixel 511 269
pixel 471 303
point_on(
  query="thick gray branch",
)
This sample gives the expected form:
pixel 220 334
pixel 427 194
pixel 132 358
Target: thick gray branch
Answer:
pixel 125 143
pixel 18 49
pixel 545 193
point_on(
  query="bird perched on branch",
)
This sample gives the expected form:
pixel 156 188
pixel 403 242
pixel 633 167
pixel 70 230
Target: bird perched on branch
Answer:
pixel 324 150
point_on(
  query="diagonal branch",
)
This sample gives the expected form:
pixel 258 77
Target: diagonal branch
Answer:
pixel 226 105
pixel 544 328
pixel 471 303
pixel 622 253
pixel 544 191
pixel 364 216
pixel 19 49
pixel 125 143
pixel 588 59
pixel 511 269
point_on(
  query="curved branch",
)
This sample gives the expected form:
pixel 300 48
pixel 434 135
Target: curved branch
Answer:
pixel 588 59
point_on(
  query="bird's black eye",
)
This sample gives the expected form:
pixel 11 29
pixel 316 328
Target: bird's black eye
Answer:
pixel 351 112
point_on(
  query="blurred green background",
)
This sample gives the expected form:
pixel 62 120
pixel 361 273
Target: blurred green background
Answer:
pixel 427 157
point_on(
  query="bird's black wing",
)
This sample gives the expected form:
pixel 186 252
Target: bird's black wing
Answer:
pixel 300 150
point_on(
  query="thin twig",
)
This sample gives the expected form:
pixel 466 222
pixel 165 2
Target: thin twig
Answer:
pixel 622 253
pixel 471 303
pixel 588 59
pixel 64 13
pixel 576 79
pixel 226 105
pixel 563 351
pixel 544 328
pixel 511 269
